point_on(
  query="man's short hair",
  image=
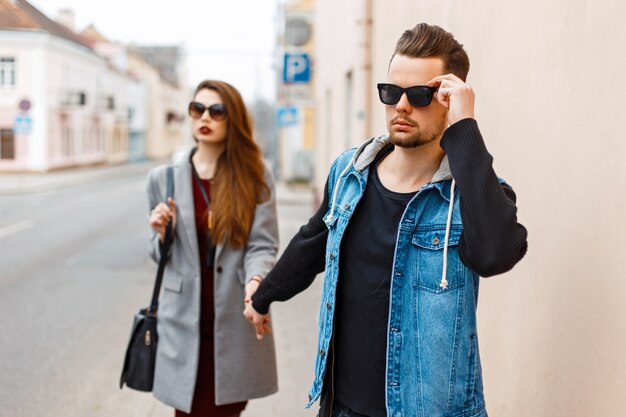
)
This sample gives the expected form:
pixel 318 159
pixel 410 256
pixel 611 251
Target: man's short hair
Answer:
pixel 429 41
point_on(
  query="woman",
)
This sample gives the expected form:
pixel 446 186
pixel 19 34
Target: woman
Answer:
pixel 209 362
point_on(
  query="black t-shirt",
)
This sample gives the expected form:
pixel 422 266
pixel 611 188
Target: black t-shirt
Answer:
pixel 362 311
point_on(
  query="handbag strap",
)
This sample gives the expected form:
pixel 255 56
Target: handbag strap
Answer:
pixel 165 248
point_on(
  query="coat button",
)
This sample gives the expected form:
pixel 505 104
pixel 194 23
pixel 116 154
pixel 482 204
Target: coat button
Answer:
pixel 219 269
pixel 436 240
pixel 322 353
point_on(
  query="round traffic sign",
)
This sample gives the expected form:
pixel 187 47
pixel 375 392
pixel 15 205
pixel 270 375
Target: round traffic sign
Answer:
pixel 25 105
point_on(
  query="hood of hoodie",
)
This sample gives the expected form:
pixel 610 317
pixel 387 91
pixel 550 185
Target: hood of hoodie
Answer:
pixel 366 153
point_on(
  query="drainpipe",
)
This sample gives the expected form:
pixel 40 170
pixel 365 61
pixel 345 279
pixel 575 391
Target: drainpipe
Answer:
pixel 367 66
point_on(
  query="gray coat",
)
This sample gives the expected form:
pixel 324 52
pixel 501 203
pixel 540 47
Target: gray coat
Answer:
pixel 245 368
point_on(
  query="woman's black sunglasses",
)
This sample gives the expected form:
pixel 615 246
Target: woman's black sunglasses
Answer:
pixel 418 96
pixel 216 111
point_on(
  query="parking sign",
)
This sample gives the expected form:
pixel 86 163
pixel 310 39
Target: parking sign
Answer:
pixel 296 68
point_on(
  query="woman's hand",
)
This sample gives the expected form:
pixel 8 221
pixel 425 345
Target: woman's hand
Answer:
pixel 161 216
pixel 258 320
pixel 251 288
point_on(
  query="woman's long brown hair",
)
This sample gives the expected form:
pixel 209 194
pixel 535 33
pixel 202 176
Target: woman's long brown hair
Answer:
pixel 239 181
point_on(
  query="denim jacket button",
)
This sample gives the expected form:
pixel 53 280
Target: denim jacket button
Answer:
pixel 436 240
pixel 322 353
pixel 346 206
pixel 327 306
pixel 332 257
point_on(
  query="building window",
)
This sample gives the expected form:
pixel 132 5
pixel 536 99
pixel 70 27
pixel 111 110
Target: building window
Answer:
pixel 7 72
pixel 7 144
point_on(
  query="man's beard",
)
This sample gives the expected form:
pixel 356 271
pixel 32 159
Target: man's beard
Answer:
pixel 420 137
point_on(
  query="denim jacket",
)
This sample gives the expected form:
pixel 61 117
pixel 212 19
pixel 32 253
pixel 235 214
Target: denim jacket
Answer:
pixel 433 363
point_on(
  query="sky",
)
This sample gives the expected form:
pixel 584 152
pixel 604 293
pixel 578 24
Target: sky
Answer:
pixel 230 40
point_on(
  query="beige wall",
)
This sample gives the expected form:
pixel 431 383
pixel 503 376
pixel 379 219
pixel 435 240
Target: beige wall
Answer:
pixel 339 52
pixel 549 81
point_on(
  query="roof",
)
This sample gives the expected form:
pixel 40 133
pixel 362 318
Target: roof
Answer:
pixel 20 14
pixel 163 58
pixel 91 34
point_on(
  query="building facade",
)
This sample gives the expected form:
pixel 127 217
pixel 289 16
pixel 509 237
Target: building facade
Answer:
pixel 69 99
pixel 53 103
pixel 166 97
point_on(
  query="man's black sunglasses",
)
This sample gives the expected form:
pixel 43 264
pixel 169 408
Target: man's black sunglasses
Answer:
pixel 418 96
pixel 216 111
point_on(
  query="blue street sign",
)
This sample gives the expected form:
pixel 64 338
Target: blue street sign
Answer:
pixel 287 116
pixel 296 68
pixel 23 124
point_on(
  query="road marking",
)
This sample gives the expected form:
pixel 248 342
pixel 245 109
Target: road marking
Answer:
pixel 18 227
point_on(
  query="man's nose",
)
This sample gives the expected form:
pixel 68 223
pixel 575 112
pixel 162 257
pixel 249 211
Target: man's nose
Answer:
pixel 403 105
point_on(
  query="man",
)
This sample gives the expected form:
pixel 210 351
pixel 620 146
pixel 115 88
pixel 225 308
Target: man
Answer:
pixel 409 222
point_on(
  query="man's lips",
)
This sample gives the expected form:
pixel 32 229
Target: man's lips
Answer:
pixel 402 122
pixel 402 125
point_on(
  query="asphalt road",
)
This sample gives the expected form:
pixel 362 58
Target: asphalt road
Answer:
pixel 73 270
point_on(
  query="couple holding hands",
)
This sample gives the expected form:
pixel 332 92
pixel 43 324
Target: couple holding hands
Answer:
pixel 408 223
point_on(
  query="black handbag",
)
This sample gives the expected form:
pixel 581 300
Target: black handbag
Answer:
pixel 138 370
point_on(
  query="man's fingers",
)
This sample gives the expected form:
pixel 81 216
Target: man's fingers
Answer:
pixel 446 77
pixel 259 321
pixel 443 97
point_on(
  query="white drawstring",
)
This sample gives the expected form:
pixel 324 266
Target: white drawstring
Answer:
pixel 332 206
pixel 444 282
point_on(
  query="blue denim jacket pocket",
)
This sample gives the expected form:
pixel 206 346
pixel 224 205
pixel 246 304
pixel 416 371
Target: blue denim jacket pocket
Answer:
pixel 428 244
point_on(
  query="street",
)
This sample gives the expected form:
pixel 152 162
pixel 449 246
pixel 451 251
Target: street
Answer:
pixel 74 268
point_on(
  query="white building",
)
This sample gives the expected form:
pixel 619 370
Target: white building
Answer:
pixel 133 96
pixel 60 103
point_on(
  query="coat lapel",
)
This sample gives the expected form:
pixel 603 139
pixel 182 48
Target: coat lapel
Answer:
pixel 186 215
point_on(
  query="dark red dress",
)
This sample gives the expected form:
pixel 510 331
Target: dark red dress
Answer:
pixel 204 395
